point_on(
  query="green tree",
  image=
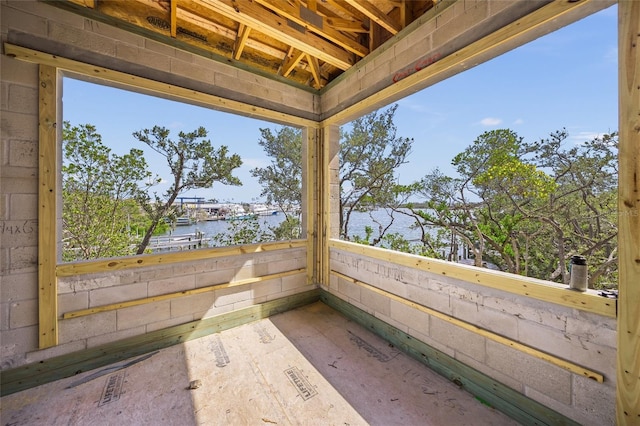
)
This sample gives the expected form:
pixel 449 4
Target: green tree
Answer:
pixel 99 195
pixel 282 179
pixel 370 154
pixel 193 163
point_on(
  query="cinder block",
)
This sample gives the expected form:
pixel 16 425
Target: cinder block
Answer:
pixel 531 371
pixel 19 287
pixel 169 323
pixel 483 317
pixel 232 295
pixel 23 154
pixel 114 337
pixel 79 38
pixel 375 301
pixel 23 259
pixel 189 305
pixel 22 99
pixel 496 375
pixel 62 349
pixel 23 313
pixel 82 328
pixel 294 282
pixel 529 309
pixel 462 23
pixel 213 311
pixel 17 342
pixel 439 301
pixel 117 294
pixel 347 289
pixel 171 285
pixel 25 208
pixel 266 288
pixel 142 315
pixel 286 265
pixel 19 126
pixel 109 31
pixel 594 328
pixel 191 268
pixel 409 317
pixel 23 20
pixel 18 233
pixel 5 307
pixel 214 277
pixel 189 69
pixel 137 55
pixel 73 301
pixel 594 403
pixel 458 339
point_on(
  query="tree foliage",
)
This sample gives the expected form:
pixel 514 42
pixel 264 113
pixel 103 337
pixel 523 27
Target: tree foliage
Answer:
pixel 370 154
pixel 193 163
pixel 529 207
pixel 282 179
pixel 100 192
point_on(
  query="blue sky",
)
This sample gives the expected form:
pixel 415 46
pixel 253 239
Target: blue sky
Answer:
pixel 567 79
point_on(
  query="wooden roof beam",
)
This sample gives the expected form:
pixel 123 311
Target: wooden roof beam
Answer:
pixel 315 71
pixel 376 15
pixel 264 21
pixel 199 21
pixel 290 61
pixel 316 24
pixel 241 40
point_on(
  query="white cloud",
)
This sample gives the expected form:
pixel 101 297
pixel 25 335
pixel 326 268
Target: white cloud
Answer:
pixel 490 121
pixel 581 137
pixel 518 121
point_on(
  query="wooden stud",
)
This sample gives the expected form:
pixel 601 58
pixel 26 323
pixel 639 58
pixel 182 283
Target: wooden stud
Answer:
pixel 628 366
pixel 47 207
pixel 241 40
pixel 504 281
pixel 174 18
pixel 309 193
pixel 373 13
pixel 170 296
pixel 559 362
pixel 119 264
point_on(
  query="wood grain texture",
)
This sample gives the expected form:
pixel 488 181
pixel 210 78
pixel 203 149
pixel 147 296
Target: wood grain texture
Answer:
pixel 628 369
pixel 47 201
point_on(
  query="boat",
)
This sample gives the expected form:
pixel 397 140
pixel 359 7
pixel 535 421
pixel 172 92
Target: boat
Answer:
pixel 245 216
pixel 184 221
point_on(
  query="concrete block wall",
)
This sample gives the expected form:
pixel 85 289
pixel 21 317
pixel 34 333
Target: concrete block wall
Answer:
pixel 47 28
pixel 102 289
pixel 583 338
pixel 41 26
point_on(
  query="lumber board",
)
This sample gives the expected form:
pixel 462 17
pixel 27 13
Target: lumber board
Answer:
pixel 503 398
pixel 123 263
pixel 512 283
pixel 63 366
pixel 138 84
pixel 169 296
pixel 628 354
pixel 48 167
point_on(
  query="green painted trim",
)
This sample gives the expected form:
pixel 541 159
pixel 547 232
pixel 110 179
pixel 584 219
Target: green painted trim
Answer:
pixel 484 388
pixel 63 366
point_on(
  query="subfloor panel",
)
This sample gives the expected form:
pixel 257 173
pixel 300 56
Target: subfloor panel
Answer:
pixel 308 366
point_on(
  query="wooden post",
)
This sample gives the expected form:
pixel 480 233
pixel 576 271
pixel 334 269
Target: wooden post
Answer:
pixel 47 198
pixel 628 367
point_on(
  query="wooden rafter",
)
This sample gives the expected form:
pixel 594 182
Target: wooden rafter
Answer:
pixel 174 18
pixel 315 70
pixel 376 15
pixel 314 25
pixel 291 61
pixel 258 18
pixel 241 40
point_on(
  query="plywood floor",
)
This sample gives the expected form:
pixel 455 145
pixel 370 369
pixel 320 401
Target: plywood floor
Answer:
pixel 309 366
